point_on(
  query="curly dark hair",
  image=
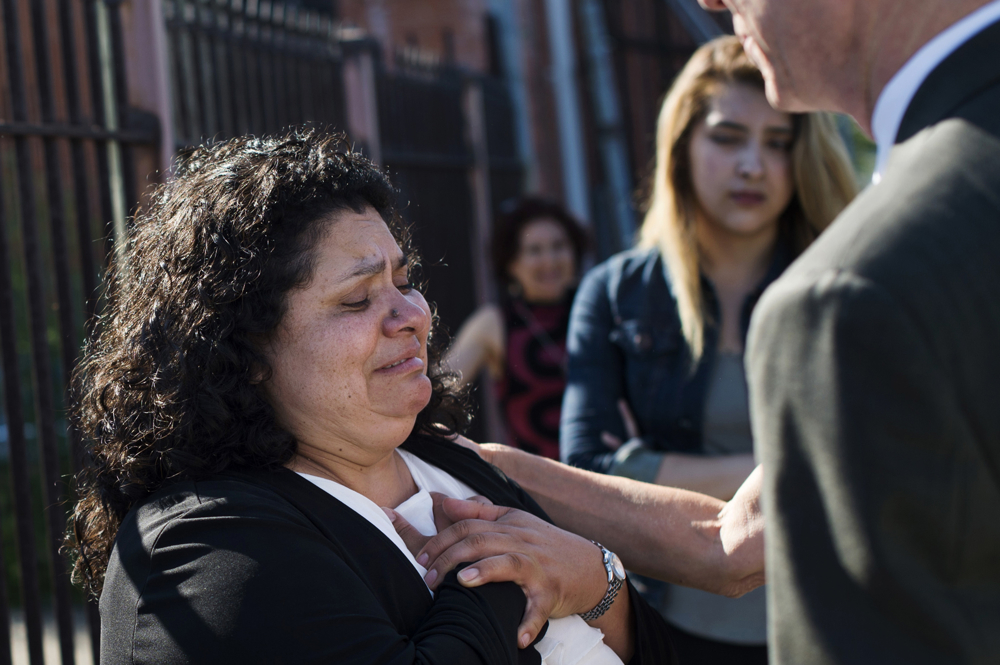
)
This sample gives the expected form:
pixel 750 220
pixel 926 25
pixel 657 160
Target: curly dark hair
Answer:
pixel 518 213
pixel 167 386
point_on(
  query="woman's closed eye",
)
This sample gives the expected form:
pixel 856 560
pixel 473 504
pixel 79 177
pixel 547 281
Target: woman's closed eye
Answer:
pixel 358 304
pixel 726 139
pixel 361 303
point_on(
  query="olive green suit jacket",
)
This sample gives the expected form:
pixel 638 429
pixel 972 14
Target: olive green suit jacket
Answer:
pixel 874 369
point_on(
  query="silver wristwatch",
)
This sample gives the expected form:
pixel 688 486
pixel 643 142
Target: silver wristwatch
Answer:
pixel 616 577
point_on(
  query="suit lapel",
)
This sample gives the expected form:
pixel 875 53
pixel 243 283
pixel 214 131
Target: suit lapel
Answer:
pixel 973 68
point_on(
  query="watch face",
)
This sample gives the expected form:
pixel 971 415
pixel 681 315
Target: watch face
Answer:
pixel 617 567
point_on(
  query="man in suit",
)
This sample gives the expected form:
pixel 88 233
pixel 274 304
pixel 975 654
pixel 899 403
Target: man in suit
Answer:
pixel 873 365
pixel 874 362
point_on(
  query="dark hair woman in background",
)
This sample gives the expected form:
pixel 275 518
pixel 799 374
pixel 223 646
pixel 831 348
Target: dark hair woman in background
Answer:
pixel 537 249
pixel 656 387
pixel 263 384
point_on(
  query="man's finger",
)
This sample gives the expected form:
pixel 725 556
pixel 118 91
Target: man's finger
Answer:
pixel 510 567
pixel 413 539
pixel 504 567
pixel 611 441
pixel 459 509
pixel 531 624
pixel 631 426
pixel 441 521
pixel 476 546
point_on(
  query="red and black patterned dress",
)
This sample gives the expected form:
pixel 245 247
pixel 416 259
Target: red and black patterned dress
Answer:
pixel 534 378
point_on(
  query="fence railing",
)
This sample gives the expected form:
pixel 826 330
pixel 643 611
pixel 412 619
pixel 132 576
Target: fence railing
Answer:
pixel 250 68
pixel 66 182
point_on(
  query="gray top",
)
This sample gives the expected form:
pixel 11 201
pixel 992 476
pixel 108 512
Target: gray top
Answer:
pixel 726 428
pixel 726 432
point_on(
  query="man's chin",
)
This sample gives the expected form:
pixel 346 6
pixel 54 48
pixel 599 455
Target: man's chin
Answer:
pixel 771 88
pixel 773 94
pixel 779 98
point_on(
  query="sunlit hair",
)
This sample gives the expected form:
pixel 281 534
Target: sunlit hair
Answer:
pixel 821 170
pixel 168 388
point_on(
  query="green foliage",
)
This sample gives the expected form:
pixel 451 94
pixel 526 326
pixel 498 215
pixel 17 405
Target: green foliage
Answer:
pixel 861 149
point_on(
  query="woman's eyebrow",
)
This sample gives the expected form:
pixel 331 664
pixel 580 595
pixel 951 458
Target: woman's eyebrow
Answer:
pixel 729 124
pixel 365 268
pixel 373 266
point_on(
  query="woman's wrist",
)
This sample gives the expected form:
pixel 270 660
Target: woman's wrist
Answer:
pixel 616 621
pixel 595 580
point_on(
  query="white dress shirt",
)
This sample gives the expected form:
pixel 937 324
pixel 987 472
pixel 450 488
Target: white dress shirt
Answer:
pixel 899 92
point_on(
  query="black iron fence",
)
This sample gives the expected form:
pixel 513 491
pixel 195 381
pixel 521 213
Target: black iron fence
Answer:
pixel 68 184
pixel 66 180
pixel 424 148
pixel 250 68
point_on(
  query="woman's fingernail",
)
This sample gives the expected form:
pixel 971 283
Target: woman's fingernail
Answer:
pixel 430 577
pixel 422 559
pixel 391 514
pixel 525 640
pixel 469 574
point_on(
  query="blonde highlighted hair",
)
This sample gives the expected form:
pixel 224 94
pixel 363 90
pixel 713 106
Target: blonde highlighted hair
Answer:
pixel 823 177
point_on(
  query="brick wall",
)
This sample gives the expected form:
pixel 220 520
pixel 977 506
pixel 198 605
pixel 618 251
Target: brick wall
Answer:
pixel 449 32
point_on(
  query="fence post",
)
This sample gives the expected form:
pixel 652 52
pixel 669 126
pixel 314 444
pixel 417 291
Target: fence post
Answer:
pixel 482 227
pixel 608 121
pixel 567 98
pixel 145 33
pixel 361 97
pixel 479 185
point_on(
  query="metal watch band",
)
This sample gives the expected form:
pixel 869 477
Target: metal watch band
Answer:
pixel 614 585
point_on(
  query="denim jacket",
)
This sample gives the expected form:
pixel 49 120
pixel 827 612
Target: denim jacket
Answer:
pixel 625 340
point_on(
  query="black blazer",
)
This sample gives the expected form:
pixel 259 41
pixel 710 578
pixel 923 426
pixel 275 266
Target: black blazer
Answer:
pixel 265 567
pixel 874 368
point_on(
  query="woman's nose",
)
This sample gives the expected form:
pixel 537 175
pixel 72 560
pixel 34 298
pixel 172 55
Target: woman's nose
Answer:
pixel 550 257
pixel 750 164
pixel 405 314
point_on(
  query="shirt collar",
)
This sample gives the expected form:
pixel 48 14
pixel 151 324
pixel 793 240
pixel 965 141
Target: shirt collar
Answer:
pixel 899 92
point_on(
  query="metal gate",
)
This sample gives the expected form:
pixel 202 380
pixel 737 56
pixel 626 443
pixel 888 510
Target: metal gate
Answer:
pixel 66 183
pixel 250 68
